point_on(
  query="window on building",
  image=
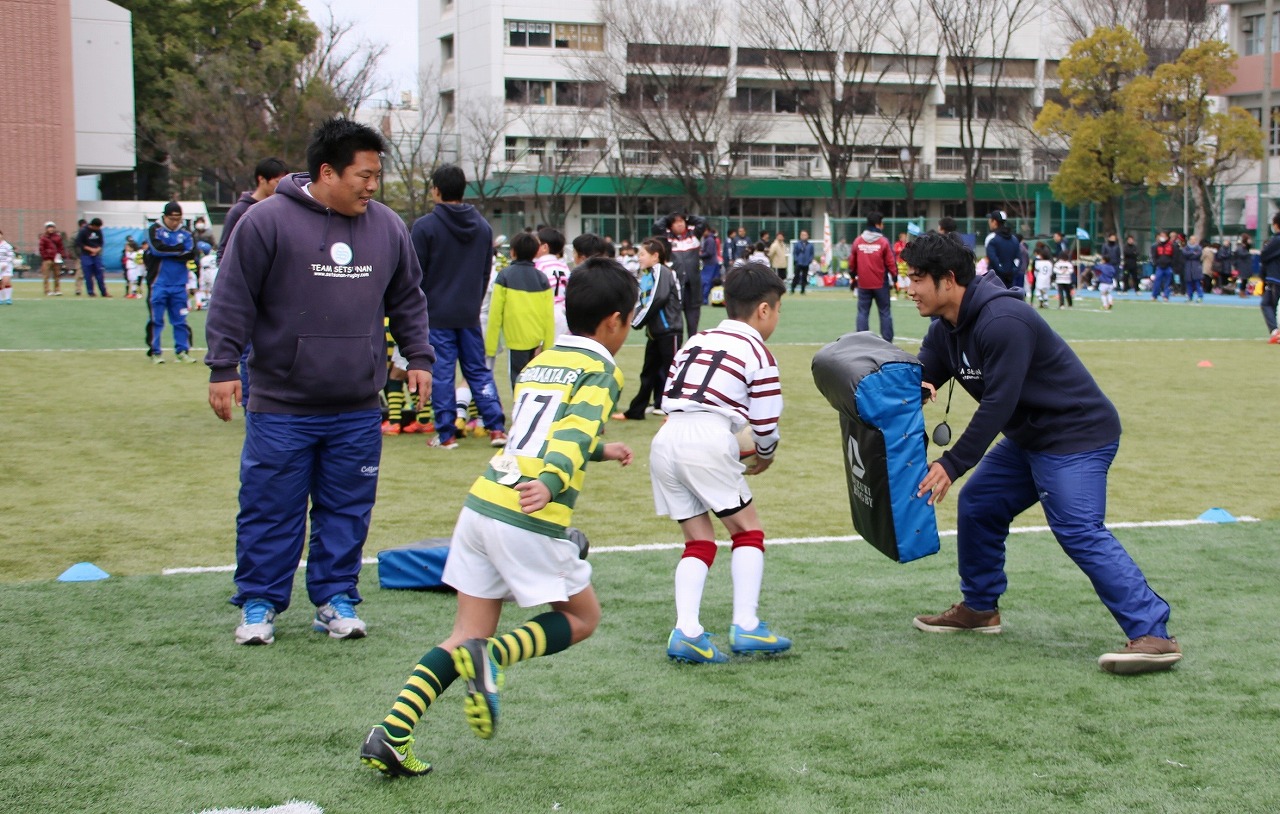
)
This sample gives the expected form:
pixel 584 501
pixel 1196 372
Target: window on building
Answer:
pixel 511 150
pixel 579 36
pixel 446 48
pixel 579 94
pixel 528 92
pixel 1191 11
pixel 786 101
pixel 526 34
pixel 446 6
pixel 752 100
pixel 446 103
pixel 1254 28
pixel 752 58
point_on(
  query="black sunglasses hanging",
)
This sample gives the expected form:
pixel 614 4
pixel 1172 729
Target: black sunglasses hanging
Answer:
pixel 942 432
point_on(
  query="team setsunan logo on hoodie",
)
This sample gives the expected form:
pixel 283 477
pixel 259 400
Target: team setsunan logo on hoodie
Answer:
pixel 341 255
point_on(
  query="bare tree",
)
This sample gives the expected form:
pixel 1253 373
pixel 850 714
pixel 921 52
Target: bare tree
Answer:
pixel 567 156
pixel 483 125
pixel 977 36
pixel 1165 28
pixel 668 83
pixel 348 69
pixel 913 41
pixel 417 143
pixel 824 52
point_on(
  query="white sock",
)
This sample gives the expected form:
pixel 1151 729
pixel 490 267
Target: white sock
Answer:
pixel 747 567
pixel 691 577
pixel 6 294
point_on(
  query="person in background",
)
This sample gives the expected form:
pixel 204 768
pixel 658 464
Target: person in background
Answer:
pixel 266 177
pixel 173 246
pixel 6 271
pixel 683 232
pixel 739 246
pixel 1242 264
pixel 52 253
pixel 1130 261
pixel 1105 275
pixel 1271 280
pixel 1193 269
pixel 1004 250
pixel 658 311
pixel 778 255
pixel 89 243
pixel 874 270
pixel 709 254
pixel 1162 267
pixel 521 312
pixel 801 260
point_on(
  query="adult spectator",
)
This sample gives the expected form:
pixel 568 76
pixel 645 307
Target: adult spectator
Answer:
pixel 1162 267
pixel 873 269
pixel 266 177
pixel 839 256
pixel 1179 263
pixel 1193 269
pixel 308 277
pixel 454 244
pixel 709 254
pixel 1242 264
pixel 1061 246
pixel 1110 251
pixel 683 232
pixel 778 254
pixel 51 256
pixel 1061 434
pixel 173 246
pixel 801 260
pixel 71 257
pixel 739 245
pixel 89 244
pixel 1271 279
pixel 947 226
pixel 1130 264
pixel 1004 250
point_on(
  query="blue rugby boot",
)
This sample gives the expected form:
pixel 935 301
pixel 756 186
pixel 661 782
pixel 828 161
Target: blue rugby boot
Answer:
pixel 760 640
pixel 693 649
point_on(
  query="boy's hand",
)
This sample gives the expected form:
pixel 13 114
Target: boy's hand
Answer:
pixel 759 466
pixel 618 451
pixel 534 496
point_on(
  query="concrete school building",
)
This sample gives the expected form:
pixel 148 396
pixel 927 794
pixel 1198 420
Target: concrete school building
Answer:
pixel 523 54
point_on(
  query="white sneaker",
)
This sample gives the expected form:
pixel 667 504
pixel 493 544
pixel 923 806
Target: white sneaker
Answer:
pixel 257 623
pixel 337 617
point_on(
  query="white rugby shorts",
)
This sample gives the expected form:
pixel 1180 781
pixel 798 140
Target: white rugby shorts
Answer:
pixel 495 560
pixel 694 466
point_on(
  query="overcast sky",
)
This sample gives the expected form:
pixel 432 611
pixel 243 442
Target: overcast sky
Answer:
pixel 393 22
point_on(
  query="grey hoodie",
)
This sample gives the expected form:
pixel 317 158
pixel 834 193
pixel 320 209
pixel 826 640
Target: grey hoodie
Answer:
pixel 310 288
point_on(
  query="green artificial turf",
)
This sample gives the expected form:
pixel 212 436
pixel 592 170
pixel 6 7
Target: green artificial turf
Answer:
pixel 129 695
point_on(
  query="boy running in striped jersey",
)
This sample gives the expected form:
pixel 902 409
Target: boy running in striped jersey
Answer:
pixel 511 538
pixel 722 380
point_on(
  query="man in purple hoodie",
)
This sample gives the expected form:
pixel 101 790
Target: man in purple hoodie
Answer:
pixel 308 278
pixel 1060 435
pixel 454 244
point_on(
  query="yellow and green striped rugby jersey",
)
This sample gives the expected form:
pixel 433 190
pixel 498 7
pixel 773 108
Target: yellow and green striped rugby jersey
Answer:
pixel 562 400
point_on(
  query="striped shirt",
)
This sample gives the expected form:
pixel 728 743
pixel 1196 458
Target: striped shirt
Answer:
pixel 728 370
pixel 562 400
pixel 6 258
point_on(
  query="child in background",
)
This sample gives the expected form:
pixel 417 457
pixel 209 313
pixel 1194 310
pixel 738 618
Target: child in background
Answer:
pixel 399 400
pixel 660 312
pixel 7 257
pixel 208 273
pixel 1064 275
pixel 723 380
pixel 521 311
pixel 1105 275
pixel 758 254
pixel 131 260
pixel 627 257
pixel 1043 271
pixel 550 261
pixel 511 535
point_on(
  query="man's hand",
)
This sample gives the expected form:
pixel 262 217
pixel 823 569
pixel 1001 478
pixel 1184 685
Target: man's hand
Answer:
pixel 618 451
pixel 931 394
pixel 420 384
pixel 223 398
pixel 759 466
pixel 534 496
pixel 936 481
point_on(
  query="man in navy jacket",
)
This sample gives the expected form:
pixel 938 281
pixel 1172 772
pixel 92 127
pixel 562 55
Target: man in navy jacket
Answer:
pixel 1060 435
pixel 454 244
pixel 1270 258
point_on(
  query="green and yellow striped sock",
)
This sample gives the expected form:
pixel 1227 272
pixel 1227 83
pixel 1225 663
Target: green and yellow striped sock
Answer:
pixel 542 635
pixel 395 401
pixel 432 675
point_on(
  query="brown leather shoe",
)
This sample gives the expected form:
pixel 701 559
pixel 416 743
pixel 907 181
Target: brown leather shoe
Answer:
pixel 1144 654
pixel 960 618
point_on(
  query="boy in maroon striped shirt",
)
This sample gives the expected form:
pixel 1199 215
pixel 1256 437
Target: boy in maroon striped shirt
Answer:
pixel 722 380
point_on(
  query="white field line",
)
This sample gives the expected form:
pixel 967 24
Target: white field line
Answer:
pixel 1142 524
pixel 291 807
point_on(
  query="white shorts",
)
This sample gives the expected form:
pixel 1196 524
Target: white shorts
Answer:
pixel 694 466
pixel 491 559
pixel 5 274
pixel 1106 288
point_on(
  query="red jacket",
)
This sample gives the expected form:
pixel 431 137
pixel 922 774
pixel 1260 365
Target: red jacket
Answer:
pixel 51 246
pixel 871 260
